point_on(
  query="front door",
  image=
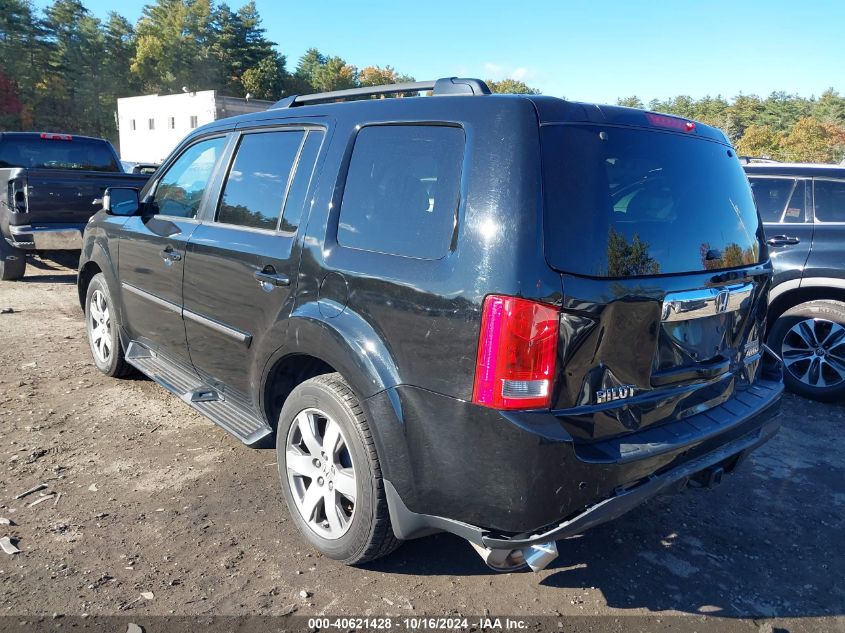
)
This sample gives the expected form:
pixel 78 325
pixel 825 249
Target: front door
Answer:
pixel 242 260
pixel 783 203
pixel 151 253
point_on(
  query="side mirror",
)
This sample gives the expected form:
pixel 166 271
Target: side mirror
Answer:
pixel 121 201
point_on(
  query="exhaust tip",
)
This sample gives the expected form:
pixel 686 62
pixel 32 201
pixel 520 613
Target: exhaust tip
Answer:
pixel 534 557
pixel 538 556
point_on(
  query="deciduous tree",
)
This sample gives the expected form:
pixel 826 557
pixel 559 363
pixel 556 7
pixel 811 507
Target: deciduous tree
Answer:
pixel 511 86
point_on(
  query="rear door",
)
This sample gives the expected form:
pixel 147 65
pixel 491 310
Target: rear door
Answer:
pixel 152 248
pixel 659 245
pixel 826 259
pixel 242 261
pixel 784 206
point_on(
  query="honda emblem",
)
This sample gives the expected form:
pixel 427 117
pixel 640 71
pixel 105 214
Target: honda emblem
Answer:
pixel 722 300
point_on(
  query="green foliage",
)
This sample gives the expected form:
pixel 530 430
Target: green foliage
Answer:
pixel 266 79
pixel 629 259
pixel 63 70
pixel 334 74
pixel 175 49
pixel 761 141
pixel 511 86
pixel 781 126
pixel 813 141
pixel 631 102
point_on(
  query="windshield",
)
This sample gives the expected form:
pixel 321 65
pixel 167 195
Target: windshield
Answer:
pixel 38 153
pixel 624 202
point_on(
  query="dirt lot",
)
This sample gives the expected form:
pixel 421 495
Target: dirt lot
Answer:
pixel 153 498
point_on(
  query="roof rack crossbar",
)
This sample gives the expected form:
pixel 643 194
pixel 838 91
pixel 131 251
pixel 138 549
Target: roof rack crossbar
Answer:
pixel 444 86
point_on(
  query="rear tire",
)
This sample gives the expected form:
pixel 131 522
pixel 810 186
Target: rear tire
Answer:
pixel 811 340
pixel 103 328
pixel 323 439
pixel 12 261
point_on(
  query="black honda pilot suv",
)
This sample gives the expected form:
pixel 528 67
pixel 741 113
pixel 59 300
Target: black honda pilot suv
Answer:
pixel 506 317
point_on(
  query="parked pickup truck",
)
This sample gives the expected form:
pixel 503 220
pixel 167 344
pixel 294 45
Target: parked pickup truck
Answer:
pixel 50 184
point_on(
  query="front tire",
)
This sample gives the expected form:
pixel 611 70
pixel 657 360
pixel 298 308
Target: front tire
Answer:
pixel 811 340
pixel 330 472
pixel 12 261
pixel 102 327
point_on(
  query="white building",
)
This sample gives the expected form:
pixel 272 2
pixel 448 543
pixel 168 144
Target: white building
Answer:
pixel 150 126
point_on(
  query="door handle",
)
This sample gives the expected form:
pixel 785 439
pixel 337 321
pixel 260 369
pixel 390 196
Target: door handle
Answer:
pixel 169 255
pixel 268 278
pixel 782 240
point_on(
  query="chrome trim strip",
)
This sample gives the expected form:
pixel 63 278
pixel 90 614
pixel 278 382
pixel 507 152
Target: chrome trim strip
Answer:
pixel 784 286
pixel 704 302
pixel 826 282
pixel 164 303
pixel 239 336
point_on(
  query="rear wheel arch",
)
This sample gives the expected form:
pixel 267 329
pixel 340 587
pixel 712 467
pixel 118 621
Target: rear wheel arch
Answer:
pixel 285 374
pixel 317 346
pixel 791 298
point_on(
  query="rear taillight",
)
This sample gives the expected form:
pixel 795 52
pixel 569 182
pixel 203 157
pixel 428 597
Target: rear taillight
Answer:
pixel 516 354
pixel 17 195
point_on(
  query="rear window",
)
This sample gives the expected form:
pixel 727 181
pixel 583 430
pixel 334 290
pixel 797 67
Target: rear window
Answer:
pixel 38 153
pixel 624 202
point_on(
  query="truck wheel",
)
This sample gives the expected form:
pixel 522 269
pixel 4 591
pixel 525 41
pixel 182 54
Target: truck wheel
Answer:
pixel 811 340
pixel 102 327
pixel 330 472
pixel 12 261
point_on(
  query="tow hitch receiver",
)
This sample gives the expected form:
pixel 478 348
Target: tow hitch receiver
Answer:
pixel 710 477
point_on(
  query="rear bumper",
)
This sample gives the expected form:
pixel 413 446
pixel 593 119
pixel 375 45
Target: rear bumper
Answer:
pixel 727 457
pixel 47 237
pixel 549 488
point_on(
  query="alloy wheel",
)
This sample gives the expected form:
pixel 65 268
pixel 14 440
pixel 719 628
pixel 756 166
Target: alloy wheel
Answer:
pixel 99 327
pixel 320 473
pixel 813 351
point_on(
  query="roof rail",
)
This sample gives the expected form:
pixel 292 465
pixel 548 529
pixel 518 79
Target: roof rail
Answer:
pixel 444 86
pixel 757 159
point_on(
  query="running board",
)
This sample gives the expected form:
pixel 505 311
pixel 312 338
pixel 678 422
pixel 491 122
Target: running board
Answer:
pixel 228 413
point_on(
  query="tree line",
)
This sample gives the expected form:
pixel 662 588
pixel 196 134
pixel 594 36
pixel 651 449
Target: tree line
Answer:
pixel 63 70
pixel 781 126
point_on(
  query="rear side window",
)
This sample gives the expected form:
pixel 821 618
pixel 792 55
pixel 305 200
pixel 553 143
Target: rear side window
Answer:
pixel 779 199
pixel 402 190
pixel 63 152
pixel 626 202
pixel 258 179
pixel 830 200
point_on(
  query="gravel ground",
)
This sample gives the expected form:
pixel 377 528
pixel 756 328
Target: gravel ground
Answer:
pixel 157 511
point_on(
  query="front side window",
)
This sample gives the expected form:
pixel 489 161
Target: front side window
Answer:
pixel 402 190
pixel 830 200
pixel 258 179
pixel 180 190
